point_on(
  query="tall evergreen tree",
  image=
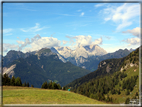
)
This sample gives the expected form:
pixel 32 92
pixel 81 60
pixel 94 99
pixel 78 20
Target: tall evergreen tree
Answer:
pixel 44 85
pixel 28 85
pixel 127 101
pixel 59 87
pixel 18 81
pixel 13 81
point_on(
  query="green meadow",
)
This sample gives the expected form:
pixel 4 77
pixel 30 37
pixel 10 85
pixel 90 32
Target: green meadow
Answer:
pixel 28 95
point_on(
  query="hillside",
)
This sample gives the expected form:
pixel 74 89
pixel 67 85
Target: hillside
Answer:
pixel 43 96
pixel 106 67
pixel 44 66
pixel 117 87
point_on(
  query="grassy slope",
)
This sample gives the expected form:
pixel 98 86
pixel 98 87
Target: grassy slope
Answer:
pixel 122 97
pixel 25 95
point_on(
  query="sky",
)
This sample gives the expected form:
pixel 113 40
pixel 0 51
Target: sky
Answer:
pixel 32 26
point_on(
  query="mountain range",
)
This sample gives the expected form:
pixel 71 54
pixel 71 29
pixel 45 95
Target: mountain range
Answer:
pixel 87 57
pixel 59 64
pixel 108 66
pixel 41 66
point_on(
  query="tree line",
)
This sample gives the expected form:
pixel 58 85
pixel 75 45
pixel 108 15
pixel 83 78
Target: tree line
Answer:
pixel 6 80
pixel 101 87
pixel 51 85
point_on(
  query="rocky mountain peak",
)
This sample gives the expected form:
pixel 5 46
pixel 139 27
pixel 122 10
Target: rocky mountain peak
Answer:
pixel 44 52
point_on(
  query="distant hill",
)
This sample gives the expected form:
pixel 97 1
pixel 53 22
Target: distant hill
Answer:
pixel 105 67
pixel 43 66
pixel 116 80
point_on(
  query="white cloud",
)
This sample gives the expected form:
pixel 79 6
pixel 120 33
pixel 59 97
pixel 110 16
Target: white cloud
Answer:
pixel 122 15
pixel 78 10
pixel 8 46
pixel 132 41
pixel 82 14
pixel 7 30
pixel 135 31
pixel 82 40
pixel 64 42
pixel 33 44
pixel 33 29
pixel 99 5
pixel 108 37
pixel 27 41
pixel 42 43
pixel 98 41
pixel 20 42
pixel 66 14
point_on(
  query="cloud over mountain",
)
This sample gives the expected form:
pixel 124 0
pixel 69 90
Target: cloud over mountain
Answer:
pixel 42 43
pixel 82 40
pixel 8 46
pixel 132 41
pixel 27 41
pixel 135 31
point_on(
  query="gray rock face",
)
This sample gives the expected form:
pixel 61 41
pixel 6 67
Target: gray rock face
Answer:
pixel 80 54
pixel 12 55
pixel 9 71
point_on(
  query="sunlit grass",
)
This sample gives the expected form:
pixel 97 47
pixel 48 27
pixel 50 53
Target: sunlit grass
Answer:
pixel 25 95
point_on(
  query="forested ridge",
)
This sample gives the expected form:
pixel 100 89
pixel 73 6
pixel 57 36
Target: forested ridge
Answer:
pixel 120 82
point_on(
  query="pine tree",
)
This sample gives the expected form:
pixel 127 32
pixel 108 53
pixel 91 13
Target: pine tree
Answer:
pixel 127 101
pixel 13 81
pixel 59 87
pixel 127 92
pixel 25 84
pixel 107 99
pixel 18 81
pixel 91 96
pixel 50 85
pixel 119 92
pixel 5 80
pixel 54 85
pixel 44 85
pixel 28 85
pixel 64 88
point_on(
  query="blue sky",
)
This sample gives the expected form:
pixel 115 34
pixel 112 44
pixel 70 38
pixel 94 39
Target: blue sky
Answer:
pixel 32 26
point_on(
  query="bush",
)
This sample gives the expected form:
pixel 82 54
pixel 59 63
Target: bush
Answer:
pixel 127 92
pixel 127 101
